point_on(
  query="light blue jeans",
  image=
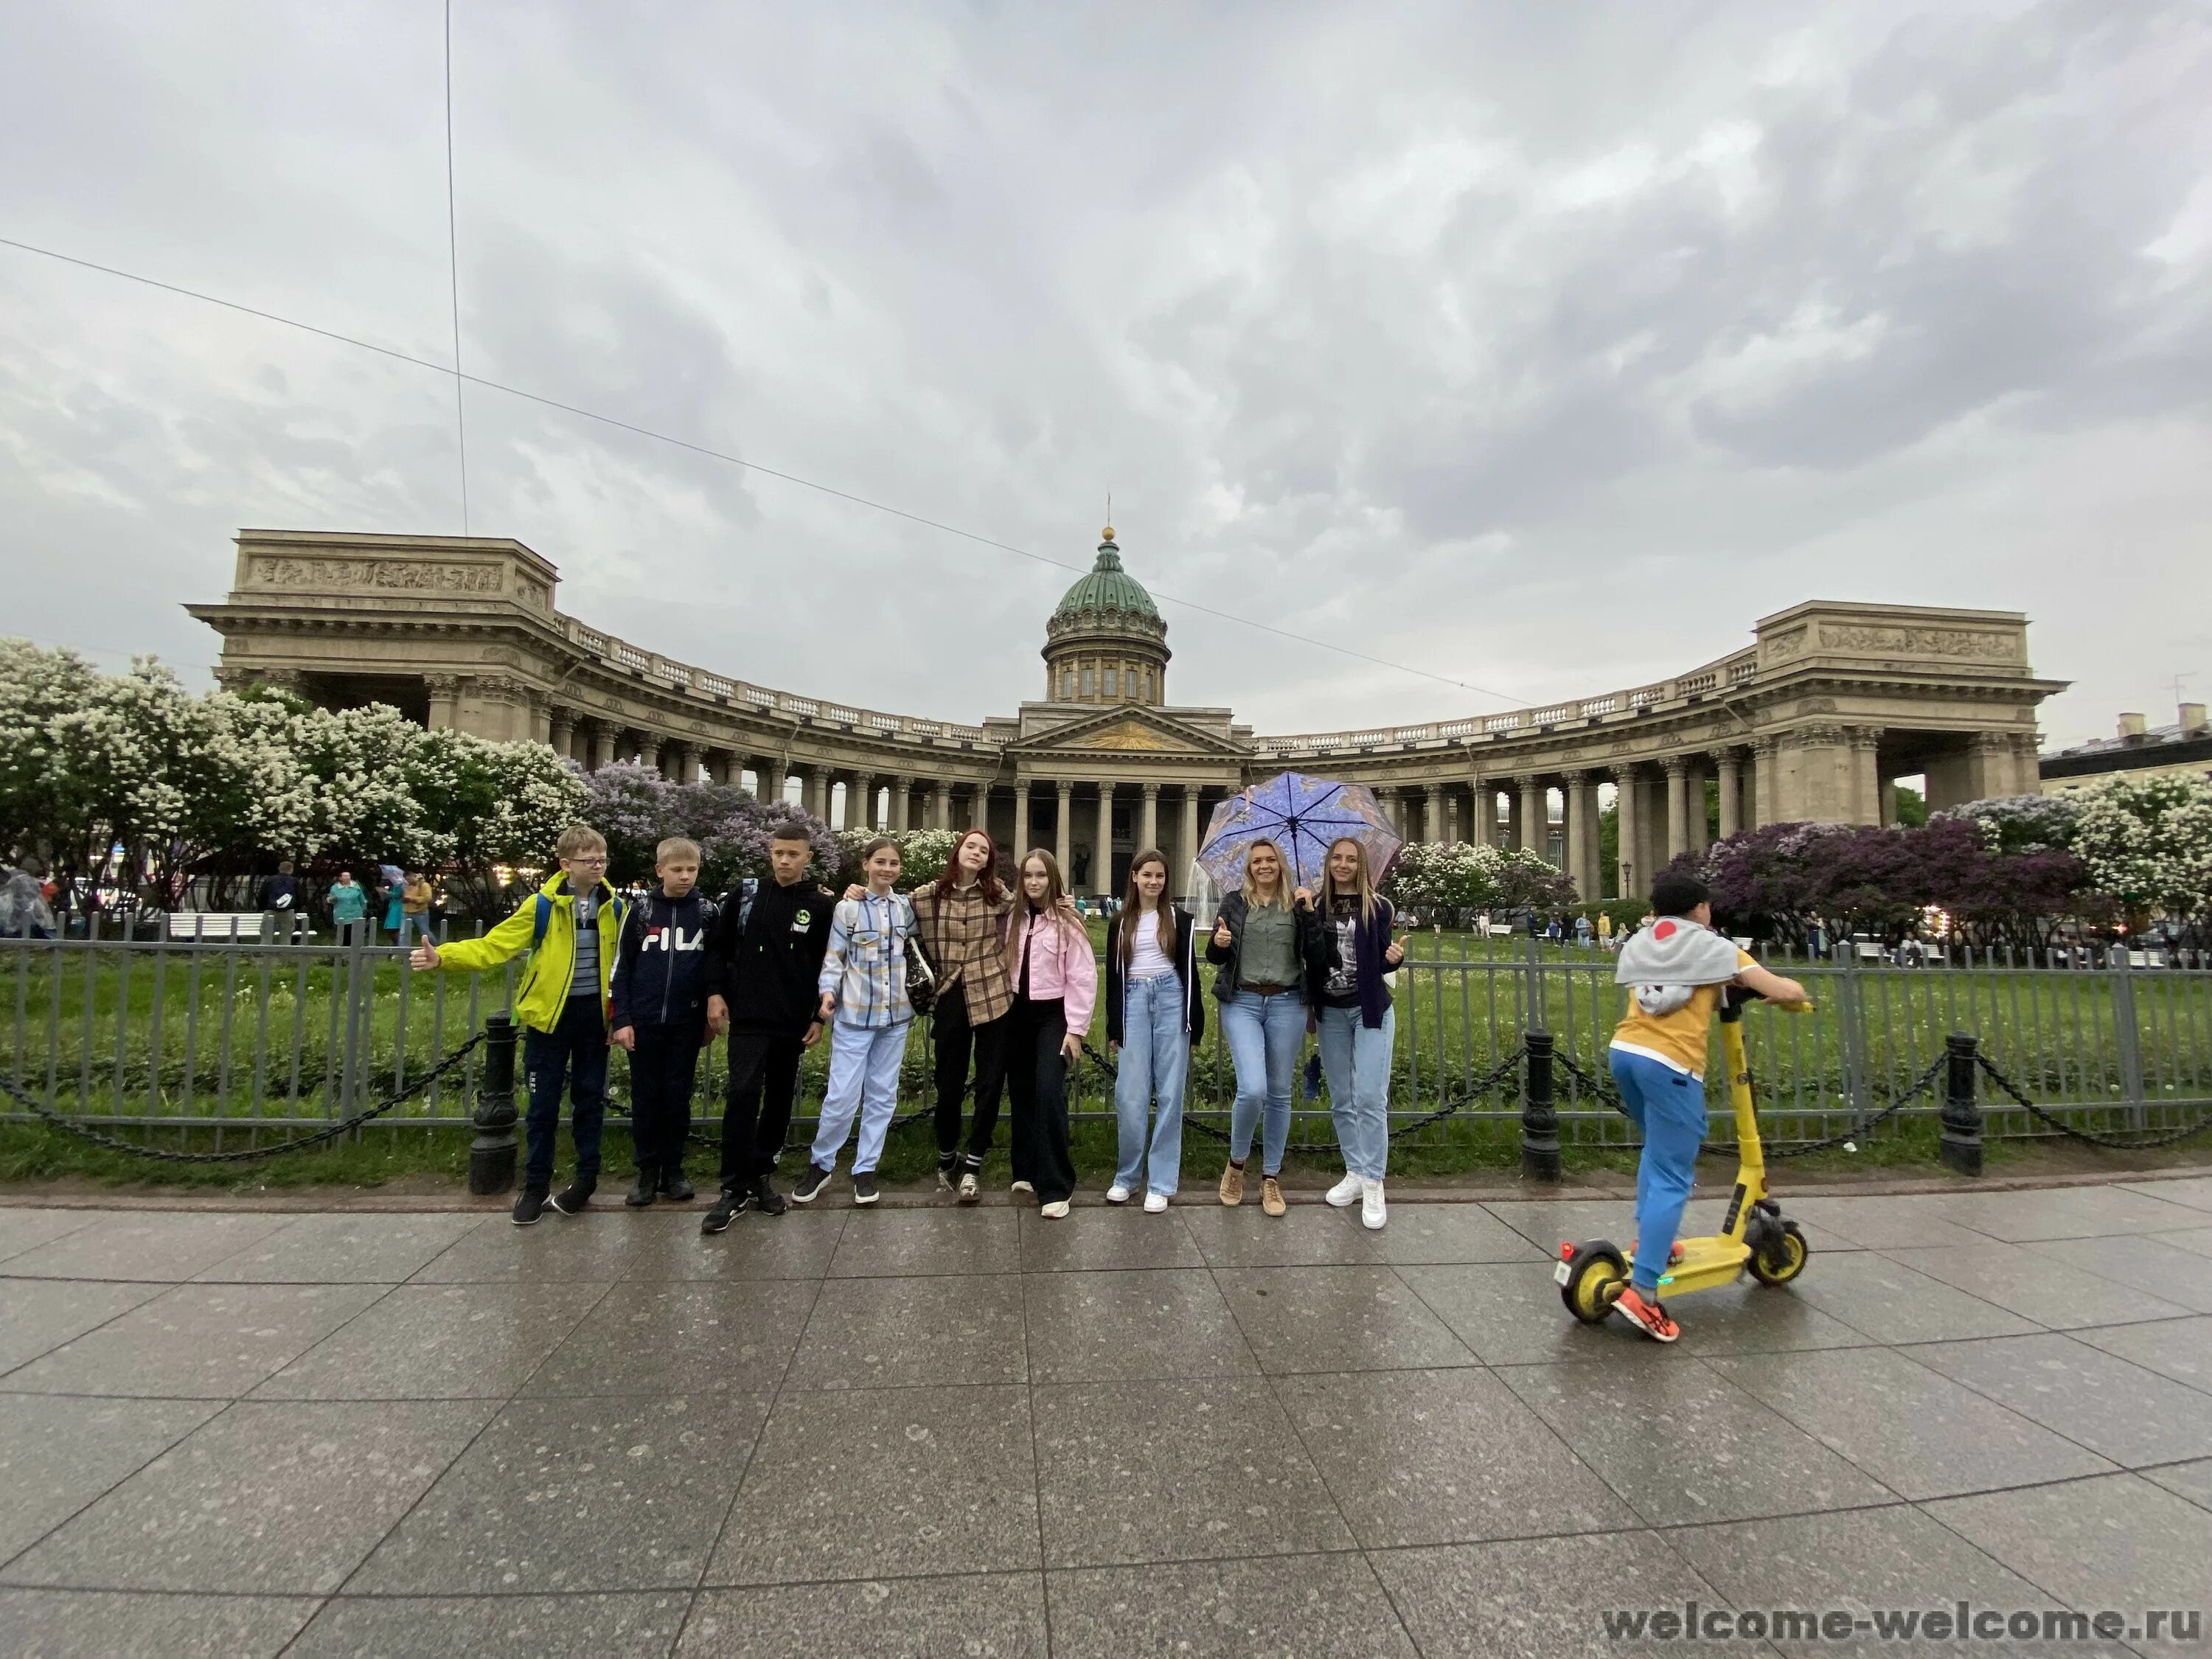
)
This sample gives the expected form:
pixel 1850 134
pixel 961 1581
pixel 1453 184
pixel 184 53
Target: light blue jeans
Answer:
pixel 1356 1063
pixel 1264 1035
pixel 1155 1060
pixel 864 1078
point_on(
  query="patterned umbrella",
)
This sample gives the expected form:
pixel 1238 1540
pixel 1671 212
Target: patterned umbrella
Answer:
pixel 1302 816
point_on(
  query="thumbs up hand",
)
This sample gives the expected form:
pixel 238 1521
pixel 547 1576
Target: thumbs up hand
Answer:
pixel 1396 953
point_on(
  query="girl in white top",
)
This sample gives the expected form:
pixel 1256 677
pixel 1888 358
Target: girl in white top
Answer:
pixel 1154 1019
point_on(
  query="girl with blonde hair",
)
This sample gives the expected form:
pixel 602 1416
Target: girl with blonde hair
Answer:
pixel 1350 950
pixel 1261 940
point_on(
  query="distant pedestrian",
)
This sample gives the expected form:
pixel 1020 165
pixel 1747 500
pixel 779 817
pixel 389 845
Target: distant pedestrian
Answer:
pixel 349 906
pixel 414 906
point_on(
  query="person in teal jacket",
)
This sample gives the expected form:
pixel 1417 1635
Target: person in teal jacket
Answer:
pixel 348 902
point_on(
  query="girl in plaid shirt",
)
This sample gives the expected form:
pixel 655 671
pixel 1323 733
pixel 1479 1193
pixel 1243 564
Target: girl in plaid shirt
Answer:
pixel 963 918
pixel 864 1003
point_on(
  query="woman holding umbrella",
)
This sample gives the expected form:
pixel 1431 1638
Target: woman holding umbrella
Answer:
pixel 1262 940
pixel 1350 951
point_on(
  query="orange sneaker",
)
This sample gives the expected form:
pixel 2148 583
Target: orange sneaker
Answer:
pixel 1647 1316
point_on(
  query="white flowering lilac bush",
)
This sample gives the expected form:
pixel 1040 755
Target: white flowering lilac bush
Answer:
pixel 2148 842
pixel 1450 880
pixel 133 780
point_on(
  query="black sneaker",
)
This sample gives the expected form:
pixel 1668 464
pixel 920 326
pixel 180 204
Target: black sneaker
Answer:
pixel 641 1194
pixel 675 1189
pixel 528 1208
pixel 572 1199
pixel 725 1210
pixel 767 1200
pixel 864 1186
pixel 810 1184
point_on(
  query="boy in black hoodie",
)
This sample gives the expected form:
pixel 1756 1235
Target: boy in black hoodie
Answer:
pixel 659 1001
pixel 762 961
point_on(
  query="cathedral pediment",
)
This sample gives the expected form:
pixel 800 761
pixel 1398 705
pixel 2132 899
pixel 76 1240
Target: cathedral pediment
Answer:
pixel 1128 729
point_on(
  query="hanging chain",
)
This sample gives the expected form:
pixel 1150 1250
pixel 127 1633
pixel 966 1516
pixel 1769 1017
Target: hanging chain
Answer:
pixel 2112 1142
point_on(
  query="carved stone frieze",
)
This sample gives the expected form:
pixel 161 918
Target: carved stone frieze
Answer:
pixel 1871 638
pixel 422 575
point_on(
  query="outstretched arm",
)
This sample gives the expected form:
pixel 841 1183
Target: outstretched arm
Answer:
pixel 1772 986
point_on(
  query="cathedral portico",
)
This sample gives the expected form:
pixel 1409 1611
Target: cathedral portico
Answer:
pixel 1816 719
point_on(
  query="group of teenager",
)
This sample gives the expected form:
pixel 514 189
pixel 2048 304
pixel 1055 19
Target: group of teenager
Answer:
pixel 778 964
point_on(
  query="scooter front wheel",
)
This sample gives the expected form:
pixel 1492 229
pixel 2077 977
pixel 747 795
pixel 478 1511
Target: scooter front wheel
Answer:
pixel 1782 1259
pixel 1592 1281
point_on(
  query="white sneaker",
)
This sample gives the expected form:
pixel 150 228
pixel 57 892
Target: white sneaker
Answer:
pixel 1117 1195
pixel 1022 1186
pixel 1155 1203
pixel 1057 1210
pixel 1345 1192
pixel 1372 1211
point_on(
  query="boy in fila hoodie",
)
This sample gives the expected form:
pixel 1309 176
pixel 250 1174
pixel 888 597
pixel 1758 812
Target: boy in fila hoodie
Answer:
pixel 658 998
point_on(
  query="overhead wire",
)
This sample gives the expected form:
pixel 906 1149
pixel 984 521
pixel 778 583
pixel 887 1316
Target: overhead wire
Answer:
pixel 463 378
pixel 453 272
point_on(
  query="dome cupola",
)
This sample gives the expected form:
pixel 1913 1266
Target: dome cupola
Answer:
pixel 1106 642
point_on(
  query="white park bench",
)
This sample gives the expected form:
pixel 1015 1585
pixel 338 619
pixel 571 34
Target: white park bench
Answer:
pixel 232 924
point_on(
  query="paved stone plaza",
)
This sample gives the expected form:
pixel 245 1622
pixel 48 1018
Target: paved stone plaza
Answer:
pixel 927 1431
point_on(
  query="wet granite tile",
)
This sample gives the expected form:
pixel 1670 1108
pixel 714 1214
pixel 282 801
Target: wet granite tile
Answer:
pixel 637 1626
pixel 1108 1327
pixel 67 1623
pixel 2117 1542
pixel 1889 1301
pixel 691 1336
pixel 1176 1471
pixel 1311 1235
pixel 898 1332
pixel 2036 1287
pixel 197 1341
pixel 1442 1458
pixel 1919 1433
pixel 2179 1348
pixel 880 1244
pixel 347 1249
pixel 26 1229
pixel 58 1454
pixel 796 1244
pixel 1337 1319
pixel 2143 1262
pixel 38 1315
pixel 1680 1442
pixel 2115 1408
pixel 885 1483
pixel 148 1246
pixel 591 1248
pixel 439 1342
pixel 597 1494
pixel 283 1498
pixel 1000 1615
pixel 1097 1240
pixel 2068 1212
pixel 2193 1481
pixel 1291 1604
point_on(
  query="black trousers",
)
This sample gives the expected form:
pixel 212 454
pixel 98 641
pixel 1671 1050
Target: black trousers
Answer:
pixel 1036 1095
pixel 756 1115
pixel 955 1037
pixel 664 1067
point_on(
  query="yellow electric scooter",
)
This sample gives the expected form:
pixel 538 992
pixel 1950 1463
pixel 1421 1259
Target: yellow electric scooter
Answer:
pixel 1754 1234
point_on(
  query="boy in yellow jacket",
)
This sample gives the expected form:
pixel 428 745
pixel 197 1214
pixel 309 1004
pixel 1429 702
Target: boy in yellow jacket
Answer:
pixel 570 926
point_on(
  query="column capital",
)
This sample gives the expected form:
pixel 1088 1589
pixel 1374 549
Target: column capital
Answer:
pixel 1151 787
pixel 440 685
pixel 1766 746
pixel 1575 776
pixel 1525 780
pixel 1726 755
pixel 1678 766
pixel 1624 772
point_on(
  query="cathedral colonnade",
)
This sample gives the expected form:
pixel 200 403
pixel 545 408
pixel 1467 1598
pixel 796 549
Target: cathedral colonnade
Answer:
pixel 1814 720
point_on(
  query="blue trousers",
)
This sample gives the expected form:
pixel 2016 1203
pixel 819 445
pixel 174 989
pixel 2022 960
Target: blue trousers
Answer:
pixel 1264 1035
pixel 1356 1063
pixel 574 1053
pixel 1670 1107
pixel 1155 1060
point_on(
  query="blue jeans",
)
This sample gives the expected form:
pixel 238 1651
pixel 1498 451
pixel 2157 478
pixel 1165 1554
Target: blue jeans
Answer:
pixel 863 1079
pixel 1155 1060
pixel 574 1052
pixel 1264 1035
pixel 1356 1063
pixel 1670 1107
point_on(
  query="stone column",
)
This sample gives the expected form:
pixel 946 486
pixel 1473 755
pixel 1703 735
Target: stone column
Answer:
pixel 1866 774
pixel 684 757
pixel 1102 850
pixel 1432 816
pixel 1536 826
pixel 1483 804
pixel 2027 764
pixel 1186 842
pixel 1582 835
pixel 940 806
pixel 1063 826
pixel 1151 819
pixel 901 787
pixel 1766 796
pixel 1628 869
pixel 1021 846
pixel 1731 788
pixel 862 789
pixel 1677 806
pixel 561 732
pixel 444 691
pixel 1512 819
pixel 1889 789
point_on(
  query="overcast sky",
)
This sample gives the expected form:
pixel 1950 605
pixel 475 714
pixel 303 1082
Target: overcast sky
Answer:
pixel 1545 347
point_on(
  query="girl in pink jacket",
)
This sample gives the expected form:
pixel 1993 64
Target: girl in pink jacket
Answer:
pixel 1055 978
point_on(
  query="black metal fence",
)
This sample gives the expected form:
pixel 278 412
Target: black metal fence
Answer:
pixel 243 1041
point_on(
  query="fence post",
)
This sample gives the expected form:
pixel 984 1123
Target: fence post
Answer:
pixel 1961 1145
pixel 491 1154
pixel 1540 1121
pixel 2127 1036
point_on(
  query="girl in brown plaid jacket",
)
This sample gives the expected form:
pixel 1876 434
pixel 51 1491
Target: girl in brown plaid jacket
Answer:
pixel 962 917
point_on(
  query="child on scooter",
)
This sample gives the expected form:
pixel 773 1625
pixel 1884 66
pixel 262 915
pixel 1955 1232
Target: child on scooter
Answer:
pixel 1675 969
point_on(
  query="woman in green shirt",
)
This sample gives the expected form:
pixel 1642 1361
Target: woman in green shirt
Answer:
pixel 1260 940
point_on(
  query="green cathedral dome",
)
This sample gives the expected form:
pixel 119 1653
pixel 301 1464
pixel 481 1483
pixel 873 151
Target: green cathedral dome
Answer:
pixel 1107 588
